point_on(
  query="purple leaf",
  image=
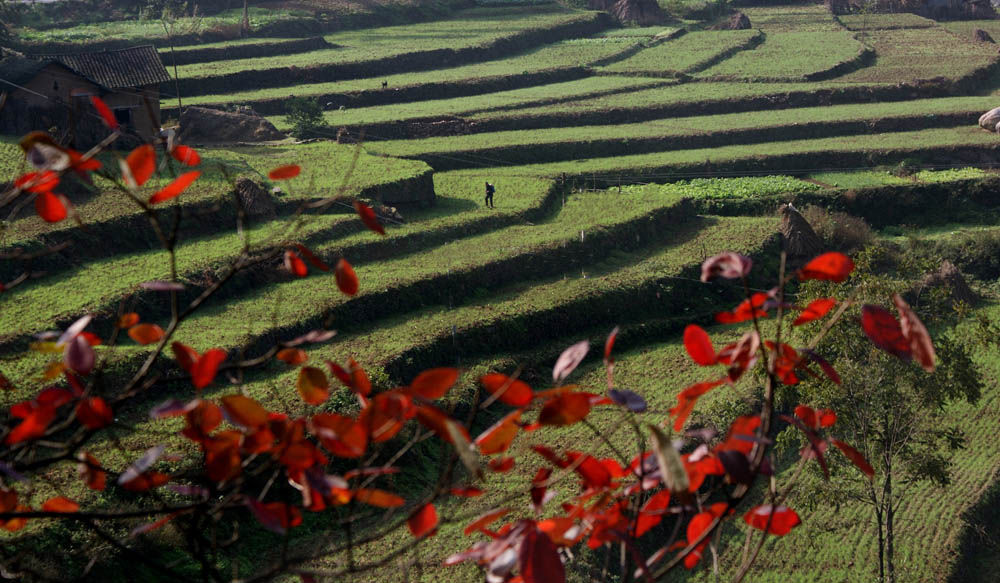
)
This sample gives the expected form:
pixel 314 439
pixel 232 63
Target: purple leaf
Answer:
pixel 74 330
pixel 173 408
pixel 569 359
pixel 189 490
pixel 79 355
pixel 312 338
pixel 162 286
pixel 631 400
pixel 141 465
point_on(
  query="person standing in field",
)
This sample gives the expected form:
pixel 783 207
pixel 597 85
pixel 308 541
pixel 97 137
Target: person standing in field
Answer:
pixel 490 191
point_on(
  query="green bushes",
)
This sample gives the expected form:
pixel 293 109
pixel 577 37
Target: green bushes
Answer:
pixel 306 118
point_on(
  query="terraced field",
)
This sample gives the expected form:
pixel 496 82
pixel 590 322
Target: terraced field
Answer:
pixel 622 157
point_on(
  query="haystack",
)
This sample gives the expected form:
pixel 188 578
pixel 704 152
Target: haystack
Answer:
pixel 982 36
pixel 600 4
pixel 201 125
pixel 951 280
pixel 257 203
pixel 799 238
pixel 738 21
pixel 990 119
pixel 641 12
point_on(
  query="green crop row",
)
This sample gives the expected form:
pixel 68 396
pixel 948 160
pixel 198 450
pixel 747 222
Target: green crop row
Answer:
pixel 790 55
pixel 796 18
pixel 910 54
pixel 870 22
pixel 685 53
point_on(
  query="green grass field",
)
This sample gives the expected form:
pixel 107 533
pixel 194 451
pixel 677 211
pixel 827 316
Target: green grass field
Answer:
pixel 689 52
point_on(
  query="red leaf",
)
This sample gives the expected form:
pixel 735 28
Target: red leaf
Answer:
pixel 566 409
pixel 594 473
pixel 828 369
pixel 500 435
pixel 484 520
pixel 386 414
pixel 207 367
pixel 815 310
pixel 50 207
pixel 698 525
pixel 855 457
pixel 916 334
pixel 782 519
pixel 94 413
pixel 831 266
pixel 185 155
pixel 185 356
pixel 146 333
pixel 423 522
pixel 699 345
pixel 89 470
pixel 312 385
pixel 127 320
pixel 826 417
pixel 513 392
pixel 284 172
pixel 312 258
pixel 33 426
pixel 440 423
pixel 292 356
pixel 501 465
pixel 139 165
pixel 539 559
pixel 885 332
pixel 244 411
pixel 106 115
pixel 539 485
pixel 347 280
pixel 60 504
pixel 275 516
pixel 380 498
pixel 38 182
pixel 434 383
pixel 808 416
pixel 179 185
pixel 340 435
pixel 146 481
pixel 368 217
pixel 747 310
pixel 467 492
pixel 652 512
pixel 728 265
pixel 687 399
pixel 609 344
pixel 294 264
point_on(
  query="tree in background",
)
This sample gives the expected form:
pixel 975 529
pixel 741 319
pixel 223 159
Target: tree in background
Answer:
pixel 306 117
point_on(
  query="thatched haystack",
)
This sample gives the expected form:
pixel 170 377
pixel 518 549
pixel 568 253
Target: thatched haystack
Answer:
pixel 204 125
pixel 982 36
pixel 641 12
pixel 949 279
pixel 799 238
pixel 600 4
pixel 737 21
pixel 989 120
pixel 256 201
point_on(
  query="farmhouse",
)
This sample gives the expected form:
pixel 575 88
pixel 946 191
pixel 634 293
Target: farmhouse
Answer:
pixel 54 91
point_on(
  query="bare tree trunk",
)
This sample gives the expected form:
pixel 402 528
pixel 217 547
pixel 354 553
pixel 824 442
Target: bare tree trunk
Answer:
pixel 889 532
pixel 881 533
pixel 245 25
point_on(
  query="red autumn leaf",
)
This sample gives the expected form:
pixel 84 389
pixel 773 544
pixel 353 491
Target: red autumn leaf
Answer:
pixel 38 182
pixel 379 498
pixel 566 409
pixel 807 415
pixel 368 217
pixel 292 356
pixel 609 344
pixel 82 165
pixel 179 185
pixel 885 332
pixel 146 333
pixel 340 435
pixel 105 112
pixel 782 519
pixel 747 310
pixel 423 522
pixel 284 172
pixel 50 207
pixel 386 414
pixel 312 258
pixel 687 399
pixel 510 391
pixel 484 520
pixel 539 559
pixel 815 310
pixel 856 457
pixel 89 470
pixel 222 456
pixel 347 280
pixel 539 485
pixel 127 320
pixel 728 265
pixel 33 425
pixel 500 435
pixel 828 369
pixel 207 367
pixel 830 266
pixel 139 165
pixel 94 413
pixel 185 155
pixel 594 473
pixel 313 386
pixel 466 492
pixel 916 334
pixel 826 417
pixel 501 465
pixel 244 411
pixel 202 420
pixel 434 383
pixel 295 265
pixel 440 423
pixel 699 345
pixel 60 504
pixel 146 481
pixel 698 525
pixel 652 512
pixel 185 356
pixel 277 517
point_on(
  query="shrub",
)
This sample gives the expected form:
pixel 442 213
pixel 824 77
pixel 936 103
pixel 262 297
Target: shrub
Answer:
pixel 838 230
pixel 306 118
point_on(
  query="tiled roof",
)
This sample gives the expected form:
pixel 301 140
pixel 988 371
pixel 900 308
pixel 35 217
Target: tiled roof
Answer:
pixel 17 69
pixel 117 69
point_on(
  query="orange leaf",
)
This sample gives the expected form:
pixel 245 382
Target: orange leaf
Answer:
pixel 699 345
pixel 38 182
pixel 106 115
pixel 176 187
pixel 146 481
pixel 359 379
pixel 485 520
pixel 139 165
pixel 295 265
pixel 313 385
pixel 146 333
pixel 386 414
pixel 127 320
pixel 33 426
pixel 856 457
pixel 60 504
pixel 50 207
pixel 284 172
pixel 777 521
pixel 275 516
pixel 916 334
pixel 207 366
pixel 368 217
pixel 687 398
pixel 347 280
pixel 501 465
pixel 511 391
pixel 423 522
pixel 94 413
pixel 440 423
pixel 292 356
pixel 340 435
pixel 380 498
pixel 89 470
pixel 244 411
pixel 434 383
pixel 185 155
pixel 815 310
pixel 566 409
pixel 185 356
pixel 498 438
pixel 830 266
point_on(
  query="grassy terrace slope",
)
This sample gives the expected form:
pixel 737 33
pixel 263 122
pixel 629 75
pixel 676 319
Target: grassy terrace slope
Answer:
pixel 686 54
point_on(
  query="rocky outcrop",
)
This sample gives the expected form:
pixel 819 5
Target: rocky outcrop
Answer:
pixel 990 119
